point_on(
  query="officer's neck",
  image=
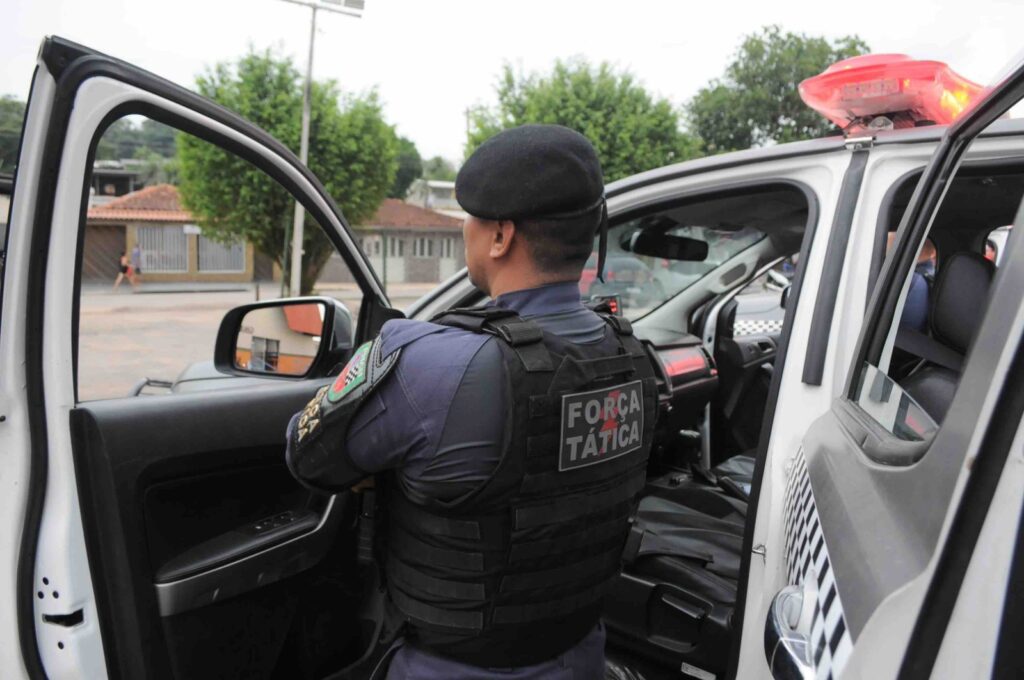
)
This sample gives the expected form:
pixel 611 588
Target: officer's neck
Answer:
pixel 510 282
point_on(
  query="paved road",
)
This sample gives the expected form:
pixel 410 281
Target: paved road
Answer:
pixel 127 336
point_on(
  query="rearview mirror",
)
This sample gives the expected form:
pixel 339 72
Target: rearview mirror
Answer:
pixel 667 246
pixel 286 338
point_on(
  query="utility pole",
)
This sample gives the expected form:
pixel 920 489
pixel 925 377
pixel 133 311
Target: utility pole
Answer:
pixel 384 265
pixel 352 8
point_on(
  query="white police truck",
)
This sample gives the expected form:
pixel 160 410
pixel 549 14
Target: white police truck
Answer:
pixel 838 495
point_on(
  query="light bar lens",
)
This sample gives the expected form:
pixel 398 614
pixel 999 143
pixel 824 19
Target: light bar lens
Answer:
pixel 910 92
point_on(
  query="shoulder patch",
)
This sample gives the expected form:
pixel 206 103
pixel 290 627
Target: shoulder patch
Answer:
pixel 353 375
pixel 334 405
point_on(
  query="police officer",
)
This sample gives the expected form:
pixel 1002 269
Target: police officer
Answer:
pixel 509 441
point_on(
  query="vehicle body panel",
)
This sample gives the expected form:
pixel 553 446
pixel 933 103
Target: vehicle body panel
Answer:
pixel 92 91
pixel 884 519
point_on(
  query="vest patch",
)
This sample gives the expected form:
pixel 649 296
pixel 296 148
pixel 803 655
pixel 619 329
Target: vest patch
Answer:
pixel 601 425
pixel 353 375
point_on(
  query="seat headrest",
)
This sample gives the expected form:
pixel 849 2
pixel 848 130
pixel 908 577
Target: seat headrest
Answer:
pixel 961 292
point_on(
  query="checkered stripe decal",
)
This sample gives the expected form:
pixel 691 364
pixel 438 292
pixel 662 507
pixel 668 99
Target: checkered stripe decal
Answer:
pixel 756 326
pixel 807 558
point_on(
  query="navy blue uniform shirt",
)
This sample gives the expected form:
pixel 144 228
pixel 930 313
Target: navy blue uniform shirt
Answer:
pixel 440 417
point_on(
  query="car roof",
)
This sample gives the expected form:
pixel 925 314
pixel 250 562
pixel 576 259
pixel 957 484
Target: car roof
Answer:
pixel 922 135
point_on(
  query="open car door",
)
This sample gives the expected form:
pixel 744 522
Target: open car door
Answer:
pixel 157 536
pixel 869 558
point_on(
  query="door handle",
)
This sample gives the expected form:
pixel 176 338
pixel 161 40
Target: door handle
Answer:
pixel 787 649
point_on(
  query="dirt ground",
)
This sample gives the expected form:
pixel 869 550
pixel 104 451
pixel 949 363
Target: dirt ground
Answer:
pixel 126 336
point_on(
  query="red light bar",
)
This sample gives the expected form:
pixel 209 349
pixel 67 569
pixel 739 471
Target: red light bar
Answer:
pixel 852 92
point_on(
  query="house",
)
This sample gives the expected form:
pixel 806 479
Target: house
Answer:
pixel 405 244
pixel 435 194
pixel 173 246
pixel 423 246
pixel 111 179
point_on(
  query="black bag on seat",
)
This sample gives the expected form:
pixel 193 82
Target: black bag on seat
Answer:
pixel 674 599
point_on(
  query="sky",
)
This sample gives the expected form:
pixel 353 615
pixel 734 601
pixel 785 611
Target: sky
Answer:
pixel 431 59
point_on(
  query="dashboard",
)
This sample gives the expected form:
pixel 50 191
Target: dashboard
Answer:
pixel 687 379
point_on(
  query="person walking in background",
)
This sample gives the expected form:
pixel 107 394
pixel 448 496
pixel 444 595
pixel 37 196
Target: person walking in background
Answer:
pixel 124 271
pixel 135 265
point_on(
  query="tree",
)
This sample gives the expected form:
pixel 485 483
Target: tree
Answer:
pixel 126 139
pixel 439 168
pixel 410 166
pixel 351 149
pixel 12 116
pixel 156 169
pixel 756 102
pixel 631 129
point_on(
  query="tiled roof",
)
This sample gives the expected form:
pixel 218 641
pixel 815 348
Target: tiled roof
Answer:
pixel 161 203
pixel 396 214
pixel 158 203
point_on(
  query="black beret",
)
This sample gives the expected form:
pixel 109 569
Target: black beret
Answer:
pixel 531 171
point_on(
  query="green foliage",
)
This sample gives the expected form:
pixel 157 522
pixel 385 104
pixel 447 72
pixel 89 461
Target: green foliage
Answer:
pixel 439 168
pixel 157 169
pixel 12 116
pixel 410 166
pixel 127 139
pixel 630 128
pixel 756 102
pixel 351 149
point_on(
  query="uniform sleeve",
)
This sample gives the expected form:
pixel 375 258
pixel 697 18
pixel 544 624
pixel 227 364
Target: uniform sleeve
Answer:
pixel 386 428
pixel 333 462
pixel 399 422
pixel 338 440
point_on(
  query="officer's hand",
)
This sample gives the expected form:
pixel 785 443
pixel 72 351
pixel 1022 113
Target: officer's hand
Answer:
pixel 367 483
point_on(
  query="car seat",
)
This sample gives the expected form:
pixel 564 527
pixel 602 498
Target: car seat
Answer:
pixel 675 597
pixel 957 305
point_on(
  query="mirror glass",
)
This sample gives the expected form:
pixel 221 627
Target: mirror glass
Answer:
pixel 282 340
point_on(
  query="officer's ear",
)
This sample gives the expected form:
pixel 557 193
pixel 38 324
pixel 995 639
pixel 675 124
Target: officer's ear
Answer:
pixel 502 238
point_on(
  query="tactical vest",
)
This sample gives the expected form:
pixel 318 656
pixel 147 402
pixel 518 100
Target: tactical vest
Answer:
pixel 513 572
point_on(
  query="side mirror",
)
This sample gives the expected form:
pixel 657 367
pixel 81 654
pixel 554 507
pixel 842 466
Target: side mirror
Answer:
pixel 294 338
pixel 784 298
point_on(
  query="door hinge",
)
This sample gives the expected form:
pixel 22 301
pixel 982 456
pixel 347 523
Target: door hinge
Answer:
pixel 859 143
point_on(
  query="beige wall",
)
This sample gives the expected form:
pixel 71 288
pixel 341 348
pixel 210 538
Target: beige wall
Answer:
pixel 413 269
pixel 193 274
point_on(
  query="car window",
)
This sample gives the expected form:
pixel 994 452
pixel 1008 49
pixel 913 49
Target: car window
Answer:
pixel 641 283
pixel 176 234
pixel 909 387
pixel 728 224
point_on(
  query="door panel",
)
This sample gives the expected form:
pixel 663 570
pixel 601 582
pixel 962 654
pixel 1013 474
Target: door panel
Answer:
pixel 132 491
pixel 162 492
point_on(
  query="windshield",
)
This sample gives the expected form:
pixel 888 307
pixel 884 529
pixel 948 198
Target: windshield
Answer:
pixel 641 283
